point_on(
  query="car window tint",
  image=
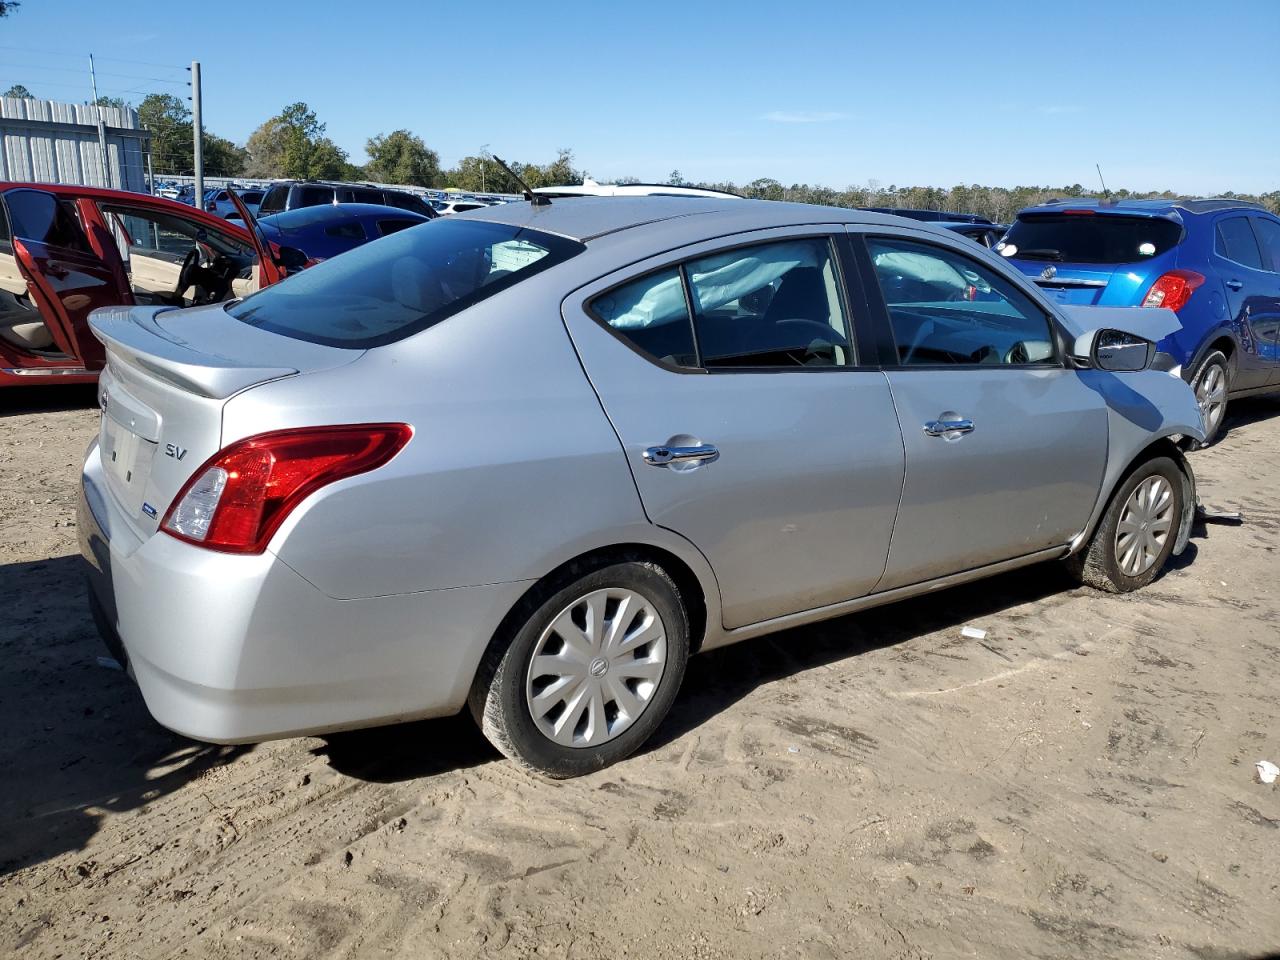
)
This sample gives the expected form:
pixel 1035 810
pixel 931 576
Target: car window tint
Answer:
pixel 947 309
pixel 395 225
pixel 406 201
pixel 274 200
pixel 771 305
pixel 382 292
pixel 41 218
pixel 360 195
pixel 314 196
pixel 1269 234
pixel 4 225
pixel 346 230
pixel 652 315
pixel 1089 238
pixel 1236 242
pixel 166 236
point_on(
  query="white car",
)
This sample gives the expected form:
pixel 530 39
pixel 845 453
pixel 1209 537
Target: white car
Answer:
pixel 590 188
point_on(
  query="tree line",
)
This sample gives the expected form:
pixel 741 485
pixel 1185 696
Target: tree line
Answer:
pixel 293 145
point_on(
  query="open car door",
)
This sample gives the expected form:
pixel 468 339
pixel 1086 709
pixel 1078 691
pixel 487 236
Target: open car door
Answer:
pixel 270 269
pixel 68 279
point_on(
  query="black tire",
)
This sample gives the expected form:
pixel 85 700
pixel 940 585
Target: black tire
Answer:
pixel 499 698
pixel 1098 565
pixel 1215 365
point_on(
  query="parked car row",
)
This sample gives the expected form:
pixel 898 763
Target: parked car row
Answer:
pixel 534 457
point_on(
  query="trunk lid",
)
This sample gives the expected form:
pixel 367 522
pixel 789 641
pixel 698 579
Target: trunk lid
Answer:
pixel 168 375
pixel 1089 285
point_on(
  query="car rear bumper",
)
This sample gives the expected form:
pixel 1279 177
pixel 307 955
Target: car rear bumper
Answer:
pixel 236 649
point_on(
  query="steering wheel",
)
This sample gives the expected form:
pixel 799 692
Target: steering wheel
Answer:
pixel 186 276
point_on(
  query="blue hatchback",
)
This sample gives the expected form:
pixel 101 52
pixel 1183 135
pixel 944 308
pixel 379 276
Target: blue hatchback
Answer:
pixel 308 235
pixel 1215 262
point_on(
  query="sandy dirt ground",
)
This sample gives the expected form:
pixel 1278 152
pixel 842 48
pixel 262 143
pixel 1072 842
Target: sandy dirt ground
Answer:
pixel 1079 784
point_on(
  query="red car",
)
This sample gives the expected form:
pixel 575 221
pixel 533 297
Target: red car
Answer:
pixel 67 250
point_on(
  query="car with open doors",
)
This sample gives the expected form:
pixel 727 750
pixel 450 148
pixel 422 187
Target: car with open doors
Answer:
pixel 66 250
pixel 529 459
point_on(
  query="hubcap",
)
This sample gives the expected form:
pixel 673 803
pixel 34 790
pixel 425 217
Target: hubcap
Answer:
pixel 596 668
pixel 1144 526
pixel 1211 395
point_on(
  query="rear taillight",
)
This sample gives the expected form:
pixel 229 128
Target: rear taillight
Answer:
pixel 237 500
pixel 1173 289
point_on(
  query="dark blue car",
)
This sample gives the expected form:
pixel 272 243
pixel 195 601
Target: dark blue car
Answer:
pixel 1215 262
pixel 308 235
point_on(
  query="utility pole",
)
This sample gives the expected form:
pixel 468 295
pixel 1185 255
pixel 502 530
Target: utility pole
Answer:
pixel 197 134
pixel 107 180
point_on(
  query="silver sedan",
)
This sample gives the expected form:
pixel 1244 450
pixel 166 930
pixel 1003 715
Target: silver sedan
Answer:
pixel 530 458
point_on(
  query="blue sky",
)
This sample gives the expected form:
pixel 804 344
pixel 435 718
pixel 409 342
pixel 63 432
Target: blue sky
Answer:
pixel 1163 93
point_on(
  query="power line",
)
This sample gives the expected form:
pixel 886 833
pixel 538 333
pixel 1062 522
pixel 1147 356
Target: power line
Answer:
pixel 119 76
pixel 65 54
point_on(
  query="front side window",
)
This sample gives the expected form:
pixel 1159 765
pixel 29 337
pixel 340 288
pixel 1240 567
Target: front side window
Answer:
pixel 386 291
pixel 395 225
pixel 1236 242
pixel 362 195
pixel 274 200
pixel 947 309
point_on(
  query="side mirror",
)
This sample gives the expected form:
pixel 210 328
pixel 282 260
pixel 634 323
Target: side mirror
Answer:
pixel 292 259
pixel 1114 350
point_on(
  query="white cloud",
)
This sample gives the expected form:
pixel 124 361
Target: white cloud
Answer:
pixel 803 116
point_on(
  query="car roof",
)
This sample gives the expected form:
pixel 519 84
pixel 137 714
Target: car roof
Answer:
pixel 333 212
pixel 587 218
pixel 1151 208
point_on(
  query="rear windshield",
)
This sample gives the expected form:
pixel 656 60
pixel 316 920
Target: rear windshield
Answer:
pixel 1090 238
pixel 411 280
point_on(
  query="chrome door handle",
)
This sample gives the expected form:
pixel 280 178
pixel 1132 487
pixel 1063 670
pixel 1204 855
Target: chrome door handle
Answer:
pixel 664 456
pixel 944 428
pixel 1235 284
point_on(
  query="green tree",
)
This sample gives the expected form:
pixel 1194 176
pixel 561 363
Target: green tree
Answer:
pixel 18 90
pixel 676 179
pixel 9 6
pixel 110 102
pixel 292 144
pixel 222 158
pixel 400 157
pixel 169 121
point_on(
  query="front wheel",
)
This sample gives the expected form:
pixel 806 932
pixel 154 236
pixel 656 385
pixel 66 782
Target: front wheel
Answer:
pixel 1137 533
pixel 1211 384
pixel 589 674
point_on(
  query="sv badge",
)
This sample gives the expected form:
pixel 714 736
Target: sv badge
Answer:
pixel 175 451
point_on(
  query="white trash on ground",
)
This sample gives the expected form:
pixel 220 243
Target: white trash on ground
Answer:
pixel 1267 771
pixel 973 633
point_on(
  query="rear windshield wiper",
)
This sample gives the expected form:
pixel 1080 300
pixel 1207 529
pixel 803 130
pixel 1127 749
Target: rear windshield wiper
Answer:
pixel 1041 253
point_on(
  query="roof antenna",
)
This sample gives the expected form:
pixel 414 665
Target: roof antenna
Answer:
pixel 1106 194
pixel 537 199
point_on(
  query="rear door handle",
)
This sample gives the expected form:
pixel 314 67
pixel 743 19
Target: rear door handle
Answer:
pixel 665 456
pixel 1235 284
pixel 948 429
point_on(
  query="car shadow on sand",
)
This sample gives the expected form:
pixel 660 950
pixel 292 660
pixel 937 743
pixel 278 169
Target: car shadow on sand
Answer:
pixel 79 744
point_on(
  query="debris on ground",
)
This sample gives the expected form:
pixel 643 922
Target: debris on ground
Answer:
pixel 1267 771
pixel 973 633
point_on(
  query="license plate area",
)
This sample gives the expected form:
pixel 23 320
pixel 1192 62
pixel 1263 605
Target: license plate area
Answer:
pixel 126 458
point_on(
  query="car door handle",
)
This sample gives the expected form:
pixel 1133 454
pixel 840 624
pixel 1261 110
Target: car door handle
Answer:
pixel 664 456
pixel 1235 284
pixel 945 428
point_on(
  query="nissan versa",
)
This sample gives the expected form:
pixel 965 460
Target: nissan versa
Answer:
pixel 530 458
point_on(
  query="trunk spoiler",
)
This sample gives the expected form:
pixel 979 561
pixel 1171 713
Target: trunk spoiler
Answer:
pixel 133 335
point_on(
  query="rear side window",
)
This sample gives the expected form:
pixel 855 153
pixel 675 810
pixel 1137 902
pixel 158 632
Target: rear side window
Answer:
pixel 346 230
pixel 1268 234
pixel 652 315
pixel 362 195
pixel 383 292
pixel 41 218
pixel 1090 238
pixel 274 200
pixel 1236 242
pixel 314 196
pixel 773 305
pixel 407 201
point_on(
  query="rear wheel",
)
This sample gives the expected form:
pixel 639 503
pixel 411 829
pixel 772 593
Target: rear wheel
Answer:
pixel 1137 533
pixel 1211 384
pixel 588 674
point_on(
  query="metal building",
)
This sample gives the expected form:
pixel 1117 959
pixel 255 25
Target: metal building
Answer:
pixel 49 142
